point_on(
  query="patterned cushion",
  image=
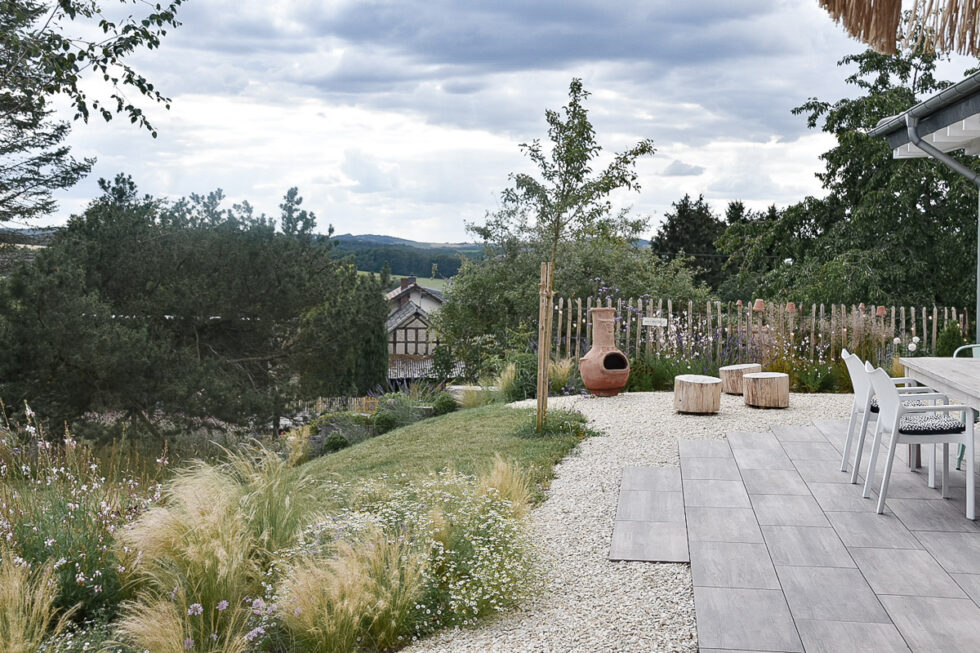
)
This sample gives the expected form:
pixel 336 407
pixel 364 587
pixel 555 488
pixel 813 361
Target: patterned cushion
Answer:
pixel 909 402
pixel 930 425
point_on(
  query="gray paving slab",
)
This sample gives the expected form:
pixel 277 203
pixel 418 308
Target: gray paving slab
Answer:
pixel 930 625
pixel 704 449
pixel 787 510
pixel 841 497
pixel 830 594
pixel 822 471
pixel 931 515
pixel 649 541
pixel 906 572
pixel 850 636
pixel 753 440
pixel 958 553
pixel 715 494
pixel 970 583
pixel 909 485
pixel 749 459
pixel 654 479
pixel 785 433
pixel 641 505
pixel 832 429
pixel 811 451
pixel 774 481
pixel 722 525
pixel 718 469
pixel 732 564
pixel 806 546
pixel 744 619
pixel 870 529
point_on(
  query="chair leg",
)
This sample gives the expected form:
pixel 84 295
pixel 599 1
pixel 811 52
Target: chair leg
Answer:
pixel 945 493
pixel 872 461
pixel 851 423
pixel 960 452
pixel 860 446
pixel 970 463
pixel 931 484
pixel 892 446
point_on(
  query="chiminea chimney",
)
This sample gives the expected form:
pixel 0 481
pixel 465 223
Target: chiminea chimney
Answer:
pixel 407 281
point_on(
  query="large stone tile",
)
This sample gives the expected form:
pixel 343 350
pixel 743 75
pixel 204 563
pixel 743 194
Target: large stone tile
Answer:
pixel 970 583
pixel 641 505
pixel 749 459
pixel 653 479
pixel 841 497
pixel 785 433
pixel 850 636
pixel 806 546
pixel 717 469
pixel 907 572
pixel 787 510
pixel 747 619
pixel 732 564
pixel 649 541
pixel 751 440
pixel 812 451
pixel 871 529
pixel 931 515
pixel 722 525
pixel 822 471
pixel 830 594
pixel 774 481
pixel 905 484
pixel 958 553
pixel 832 429
pixel 930 625
pixel 715 494
pixel 704 449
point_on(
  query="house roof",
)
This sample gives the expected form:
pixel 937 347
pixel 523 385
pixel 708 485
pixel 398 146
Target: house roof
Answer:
pixel 398 292
pixel 403 314
pixel 409 367
pixel 949 120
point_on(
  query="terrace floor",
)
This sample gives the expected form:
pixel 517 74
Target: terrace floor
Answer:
pixel 787 556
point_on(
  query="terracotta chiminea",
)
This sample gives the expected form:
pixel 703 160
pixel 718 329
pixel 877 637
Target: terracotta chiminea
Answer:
pixel 605 369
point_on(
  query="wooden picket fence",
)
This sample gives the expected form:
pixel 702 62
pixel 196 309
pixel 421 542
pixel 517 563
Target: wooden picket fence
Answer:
pixel 664 325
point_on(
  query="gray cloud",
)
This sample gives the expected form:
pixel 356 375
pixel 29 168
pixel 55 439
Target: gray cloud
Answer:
pixel 681 169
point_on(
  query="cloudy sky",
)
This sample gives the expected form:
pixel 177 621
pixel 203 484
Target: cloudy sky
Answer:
pixel 403 117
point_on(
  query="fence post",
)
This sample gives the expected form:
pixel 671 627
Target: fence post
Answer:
pixel 588 320
pixel 558 330
pixel 578 329
pixel 670 324
pixel 649 329
pixel 639 324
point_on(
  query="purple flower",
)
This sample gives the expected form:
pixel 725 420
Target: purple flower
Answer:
pixel 196 608
pixel 188 643
pixel 222 605
pixel 255 632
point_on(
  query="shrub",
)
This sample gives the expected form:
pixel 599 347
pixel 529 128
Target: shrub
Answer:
pixel 335 442
pixel 525 379
pixel 557 423
pixel 444 403
pixel 560 373
pixel 394 410
pixel 474 398
pixel 28 614
pixel 814 376
pixel 949 339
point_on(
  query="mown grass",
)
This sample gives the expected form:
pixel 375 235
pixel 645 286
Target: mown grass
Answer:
pixel 467 441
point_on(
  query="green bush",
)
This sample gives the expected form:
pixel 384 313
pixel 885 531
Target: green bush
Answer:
pixel 525 383
pixel 557 423
pixel 444 403
pixel 335 442
pixel 394 410
pixel 949 339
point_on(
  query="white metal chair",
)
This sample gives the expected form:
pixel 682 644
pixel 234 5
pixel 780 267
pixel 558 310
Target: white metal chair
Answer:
pixel 865 405
pixel 912 424
pixel 966 350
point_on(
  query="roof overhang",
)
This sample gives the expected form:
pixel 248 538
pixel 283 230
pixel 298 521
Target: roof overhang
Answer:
pixel 949 120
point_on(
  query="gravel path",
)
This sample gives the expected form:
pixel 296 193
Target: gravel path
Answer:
pixel 590 603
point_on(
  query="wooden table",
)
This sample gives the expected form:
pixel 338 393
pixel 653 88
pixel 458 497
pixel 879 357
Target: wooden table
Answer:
pixel 957 377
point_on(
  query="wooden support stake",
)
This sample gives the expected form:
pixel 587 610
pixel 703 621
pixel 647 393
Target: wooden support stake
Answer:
pixel 545 314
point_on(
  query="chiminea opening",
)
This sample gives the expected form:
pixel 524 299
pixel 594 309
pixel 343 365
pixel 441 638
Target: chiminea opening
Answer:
pixel 615 361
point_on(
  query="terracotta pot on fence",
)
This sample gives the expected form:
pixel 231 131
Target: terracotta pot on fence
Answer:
pixel 605 369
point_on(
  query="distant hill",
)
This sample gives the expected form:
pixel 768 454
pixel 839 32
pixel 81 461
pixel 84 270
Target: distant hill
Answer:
pixel 376 240
pixel 405 257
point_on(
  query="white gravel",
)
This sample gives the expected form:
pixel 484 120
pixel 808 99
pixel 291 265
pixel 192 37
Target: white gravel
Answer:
pixel 590 603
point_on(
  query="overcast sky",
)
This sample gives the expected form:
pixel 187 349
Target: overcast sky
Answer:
pixel 403 117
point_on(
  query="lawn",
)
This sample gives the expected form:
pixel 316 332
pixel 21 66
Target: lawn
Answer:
pixel 466 441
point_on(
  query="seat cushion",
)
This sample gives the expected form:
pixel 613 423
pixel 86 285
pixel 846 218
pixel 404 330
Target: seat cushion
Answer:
pixel 909 402
pixel 930 425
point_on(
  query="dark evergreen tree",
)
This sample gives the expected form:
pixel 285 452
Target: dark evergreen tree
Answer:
pixel 690 232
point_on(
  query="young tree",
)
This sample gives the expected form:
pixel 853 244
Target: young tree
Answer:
pixel 46 50
pixel 690 231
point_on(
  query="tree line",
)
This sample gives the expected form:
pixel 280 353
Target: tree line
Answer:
pixel 401 259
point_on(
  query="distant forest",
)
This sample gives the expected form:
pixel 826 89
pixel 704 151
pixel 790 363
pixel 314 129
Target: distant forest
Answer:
pixel 404 260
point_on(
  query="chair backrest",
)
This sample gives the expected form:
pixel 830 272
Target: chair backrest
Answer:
pixel 889 401
pixel 859 377
pixel 974 350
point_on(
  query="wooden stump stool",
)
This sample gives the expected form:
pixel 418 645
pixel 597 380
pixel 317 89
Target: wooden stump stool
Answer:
pixel 731 376
pixel 766 389
pixel 695 393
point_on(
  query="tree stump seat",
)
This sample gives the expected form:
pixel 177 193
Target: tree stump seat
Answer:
pixel 766 389
pixel 696 393
pixel 731 376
